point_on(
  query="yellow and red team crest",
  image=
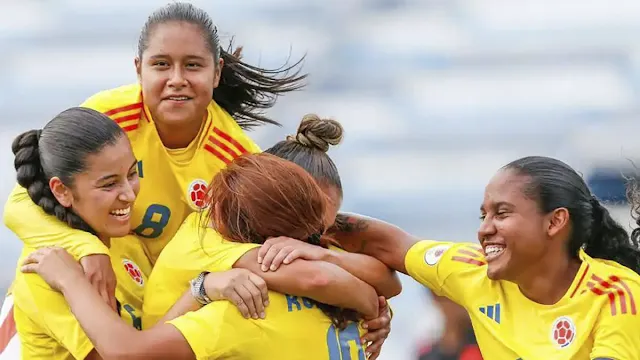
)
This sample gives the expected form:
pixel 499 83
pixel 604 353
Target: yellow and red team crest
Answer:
pixel 134 271
pixel 196 194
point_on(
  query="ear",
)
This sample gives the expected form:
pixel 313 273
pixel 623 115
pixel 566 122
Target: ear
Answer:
pixel 558 221
pixel 61 192
pixel 138 64
pixel 218 73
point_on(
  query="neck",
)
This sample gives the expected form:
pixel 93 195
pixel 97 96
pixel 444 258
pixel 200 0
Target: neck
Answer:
pixel 547 282
pixel 105 240
pixel 178 136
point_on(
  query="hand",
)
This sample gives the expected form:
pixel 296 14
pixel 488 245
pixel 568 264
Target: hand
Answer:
pixel 54 265
pixel 99 271
pixel 242 287
pixel 377 330
pixel 283 250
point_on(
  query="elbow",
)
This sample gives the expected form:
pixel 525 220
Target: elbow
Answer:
pixel 392 288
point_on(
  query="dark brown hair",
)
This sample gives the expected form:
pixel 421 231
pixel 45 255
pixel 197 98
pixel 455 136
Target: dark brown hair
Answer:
pixel 308 148
pixel 258 196
pixel 245 91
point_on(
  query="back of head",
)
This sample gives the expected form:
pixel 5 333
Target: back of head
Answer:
pixel 60 150
pixel 308 148
pixel 258 196
pixel 554 184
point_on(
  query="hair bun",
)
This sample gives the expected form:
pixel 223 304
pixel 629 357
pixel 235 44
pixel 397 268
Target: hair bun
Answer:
pixel 318 133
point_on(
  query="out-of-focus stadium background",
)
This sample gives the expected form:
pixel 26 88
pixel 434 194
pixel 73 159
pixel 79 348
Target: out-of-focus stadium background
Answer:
pixel 435 95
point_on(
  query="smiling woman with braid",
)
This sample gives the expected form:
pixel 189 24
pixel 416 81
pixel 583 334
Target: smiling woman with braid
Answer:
pixel 256 197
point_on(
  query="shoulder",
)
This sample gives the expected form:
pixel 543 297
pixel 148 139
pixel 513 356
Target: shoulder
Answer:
pixel 616 285
pixel 225 135
pixel 123 104
pixel 437 253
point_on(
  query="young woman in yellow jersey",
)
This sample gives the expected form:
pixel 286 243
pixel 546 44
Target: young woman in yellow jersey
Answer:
pixel 188 254
pixel 555 276
pixel 80 169
pixel 185 119
pixel 256 197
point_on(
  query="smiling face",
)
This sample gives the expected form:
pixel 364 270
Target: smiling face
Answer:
pixel 513 232
pixel 178 73
pixel 103 194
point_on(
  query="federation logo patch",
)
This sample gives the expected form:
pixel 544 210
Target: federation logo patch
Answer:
pixel 433 255
pixel 196 194
pixel 134 271
pixel 563 332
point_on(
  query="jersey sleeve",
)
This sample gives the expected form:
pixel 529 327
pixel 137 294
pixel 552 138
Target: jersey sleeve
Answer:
pixel 446 268
pixel 226 253
pixel 49 311
pixel 38 229
pixel 616 334
pixel 218 331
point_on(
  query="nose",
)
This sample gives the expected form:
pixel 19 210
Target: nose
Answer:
pixel 127 194
pixel 486 229
pixel 177 78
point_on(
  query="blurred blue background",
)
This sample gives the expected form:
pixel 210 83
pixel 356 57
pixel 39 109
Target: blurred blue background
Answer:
pixel 434 95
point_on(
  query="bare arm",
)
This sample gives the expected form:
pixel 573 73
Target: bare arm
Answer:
pixel 368 269
pixel 113 338
pixel 185 304
pixel 385 242
pixel 318 280
pixel 283 250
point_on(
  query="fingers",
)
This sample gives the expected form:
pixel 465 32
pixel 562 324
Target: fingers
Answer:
pixel 280 256
pixel 269 256
pixel 34 258
pixel 31 268
pixel 373 350
pixel 382 303
pixel 262 285
pixel 242 307
pixel 247 299
pixel 256 298
pixel 293 255
pixel 264 249
pixel 377 335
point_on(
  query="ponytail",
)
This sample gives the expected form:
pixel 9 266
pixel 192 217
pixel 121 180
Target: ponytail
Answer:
pixel 245 90
pixel 610 241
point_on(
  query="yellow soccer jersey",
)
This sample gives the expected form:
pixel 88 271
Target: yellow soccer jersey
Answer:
pixel 194 249
pixel 294 329
pixel 596 319
pixel 47 327
pixel 173 182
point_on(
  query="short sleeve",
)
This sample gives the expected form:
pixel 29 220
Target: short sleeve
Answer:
pixel 218 331
pixel 49 311
pixel 446 268
pixel 616 334
pixel 20 215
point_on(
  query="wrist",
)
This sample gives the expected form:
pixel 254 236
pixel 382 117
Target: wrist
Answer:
pixel 71 281
pixel 198 290
pixel 330 256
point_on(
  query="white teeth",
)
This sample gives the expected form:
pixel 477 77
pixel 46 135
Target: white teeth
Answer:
pixel 179 98
pixel 121 212
pixel 493 249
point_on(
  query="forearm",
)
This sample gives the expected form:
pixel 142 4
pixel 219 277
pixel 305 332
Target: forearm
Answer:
pixel 368 269
pixel 339 288
pixel 104 327
pixel 185 304
pixel 383 241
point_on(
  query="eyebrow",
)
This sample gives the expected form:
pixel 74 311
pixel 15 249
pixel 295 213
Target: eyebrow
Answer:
pixel 109 177
pixel 498 204
pixel 164 56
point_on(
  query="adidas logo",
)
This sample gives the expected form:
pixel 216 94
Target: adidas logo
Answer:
pixel 492 312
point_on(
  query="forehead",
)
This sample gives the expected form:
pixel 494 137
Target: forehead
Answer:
pixel 506 187
pixel 112 159
pixel 177 38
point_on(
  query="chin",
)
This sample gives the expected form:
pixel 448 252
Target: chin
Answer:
pixel 494 273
